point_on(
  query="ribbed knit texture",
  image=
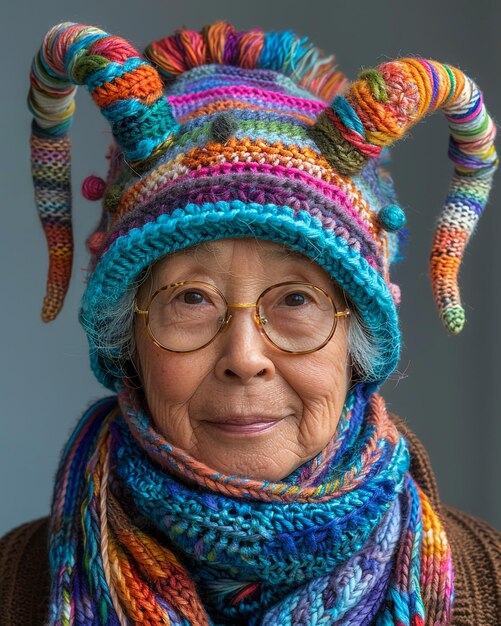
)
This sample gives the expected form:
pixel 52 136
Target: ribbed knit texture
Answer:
pixel 476 551
pixel 24 575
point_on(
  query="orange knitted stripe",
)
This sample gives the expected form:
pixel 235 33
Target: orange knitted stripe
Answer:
pixel 135 595
pixel 260 148
pixel 444 270
pixel 453 240
pixel 58 237
pixel 159 565
pixel 142 83
pixel 259 151
pixel 415 72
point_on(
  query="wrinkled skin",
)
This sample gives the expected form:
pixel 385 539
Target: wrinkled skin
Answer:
pixel 241 376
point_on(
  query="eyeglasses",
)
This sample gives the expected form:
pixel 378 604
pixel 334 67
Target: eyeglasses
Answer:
pixel 295 317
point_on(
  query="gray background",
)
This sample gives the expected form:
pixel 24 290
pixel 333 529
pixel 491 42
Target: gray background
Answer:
pixel 447 388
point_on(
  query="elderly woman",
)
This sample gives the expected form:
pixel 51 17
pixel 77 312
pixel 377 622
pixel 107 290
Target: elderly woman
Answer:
pixel 240 307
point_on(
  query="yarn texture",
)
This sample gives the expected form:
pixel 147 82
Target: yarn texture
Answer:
pixel 141 532
pixel 222 134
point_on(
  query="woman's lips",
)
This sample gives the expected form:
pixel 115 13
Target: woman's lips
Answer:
pixel 245 426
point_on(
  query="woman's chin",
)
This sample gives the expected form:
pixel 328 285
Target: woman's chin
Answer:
pixel 257 450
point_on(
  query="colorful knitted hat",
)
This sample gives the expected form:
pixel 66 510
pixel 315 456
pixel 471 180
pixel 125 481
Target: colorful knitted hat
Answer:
pixel 249 134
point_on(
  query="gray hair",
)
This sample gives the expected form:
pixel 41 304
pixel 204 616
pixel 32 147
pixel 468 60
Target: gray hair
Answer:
pixel 114 336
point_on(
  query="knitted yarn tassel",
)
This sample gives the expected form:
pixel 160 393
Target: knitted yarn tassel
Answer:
pixel 220 43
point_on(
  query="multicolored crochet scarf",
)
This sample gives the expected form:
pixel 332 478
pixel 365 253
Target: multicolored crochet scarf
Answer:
pixel 141 533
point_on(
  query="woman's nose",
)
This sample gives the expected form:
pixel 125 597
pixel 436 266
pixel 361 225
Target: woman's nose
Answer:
pixel 243 352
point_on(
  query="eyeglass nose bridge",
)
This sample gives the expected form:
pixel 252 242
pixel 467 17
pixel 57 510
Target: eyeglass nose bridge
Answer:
pixel 241 305
pixel 259 319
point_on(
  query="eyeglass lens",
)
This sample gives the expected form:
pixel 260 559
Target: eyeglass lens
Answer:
pixel 295 317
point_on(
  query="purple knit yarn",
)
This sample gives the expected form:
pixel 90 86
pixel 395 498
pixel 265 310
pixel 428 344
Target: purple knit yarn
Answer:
pixel 201 80
pixel 230 55
pixel 367 609
pixel 294 194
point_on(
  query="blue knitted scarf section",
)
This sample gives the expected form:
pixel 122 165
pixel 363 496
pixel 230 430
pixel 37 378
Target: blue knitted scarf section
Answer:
pixel 140 528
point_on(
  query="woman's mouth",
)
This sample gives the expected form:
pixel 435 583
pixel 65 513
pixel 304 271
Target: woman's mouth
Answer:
pixel 244 426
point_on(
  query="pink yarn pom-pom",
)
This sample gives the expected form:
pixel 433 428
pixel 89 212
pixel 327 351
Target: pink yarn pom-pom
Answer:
pixel 93 188
pixel 395 293
pixel 95 242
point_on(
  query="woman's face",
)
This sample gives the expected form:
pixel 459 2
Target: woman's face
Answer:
pixel 240 405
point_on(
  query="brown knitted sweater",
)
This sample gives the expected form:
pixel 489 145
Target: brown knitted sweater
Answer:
pixel 476 553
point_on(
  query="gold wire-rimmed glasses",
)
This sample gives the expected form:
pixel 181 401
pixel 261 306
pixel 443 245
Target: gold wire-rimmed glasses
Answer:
pixel 296 317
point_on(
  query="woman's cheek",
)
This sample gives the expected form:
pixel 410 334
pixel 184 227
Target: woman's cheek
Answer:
pixel 322 390
pixel 167 374
pixel 169 384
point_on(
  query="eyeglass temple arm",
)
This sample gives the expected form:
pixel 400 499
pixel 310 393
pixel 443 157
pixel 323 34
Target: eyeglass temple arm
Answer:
pixel 138 310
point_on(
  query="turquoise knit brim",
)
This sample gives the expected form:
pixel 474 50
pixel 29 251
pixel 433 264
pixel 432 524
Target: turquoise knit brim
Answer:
pixel 138 248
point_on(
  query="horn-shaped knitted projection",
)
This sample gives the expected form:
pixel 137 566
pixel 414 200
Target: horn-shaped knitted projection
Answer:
pixel 127 89
pixel 379 108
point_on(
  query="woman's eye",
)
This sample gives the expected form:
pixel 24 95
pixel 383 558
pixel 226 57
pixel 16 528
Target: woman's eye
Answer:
pixel 295 299
pixel 192 297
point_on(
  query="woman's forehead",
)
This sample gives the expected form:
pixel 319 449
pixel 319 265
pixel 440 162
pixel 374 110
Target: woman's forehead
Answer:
pixel 259 261
pixel 268 250
pixel 256 251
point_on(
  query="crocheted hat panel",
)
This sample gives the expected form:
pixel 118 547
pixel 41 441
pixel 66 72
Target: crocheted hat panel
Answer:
pixel 213 76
